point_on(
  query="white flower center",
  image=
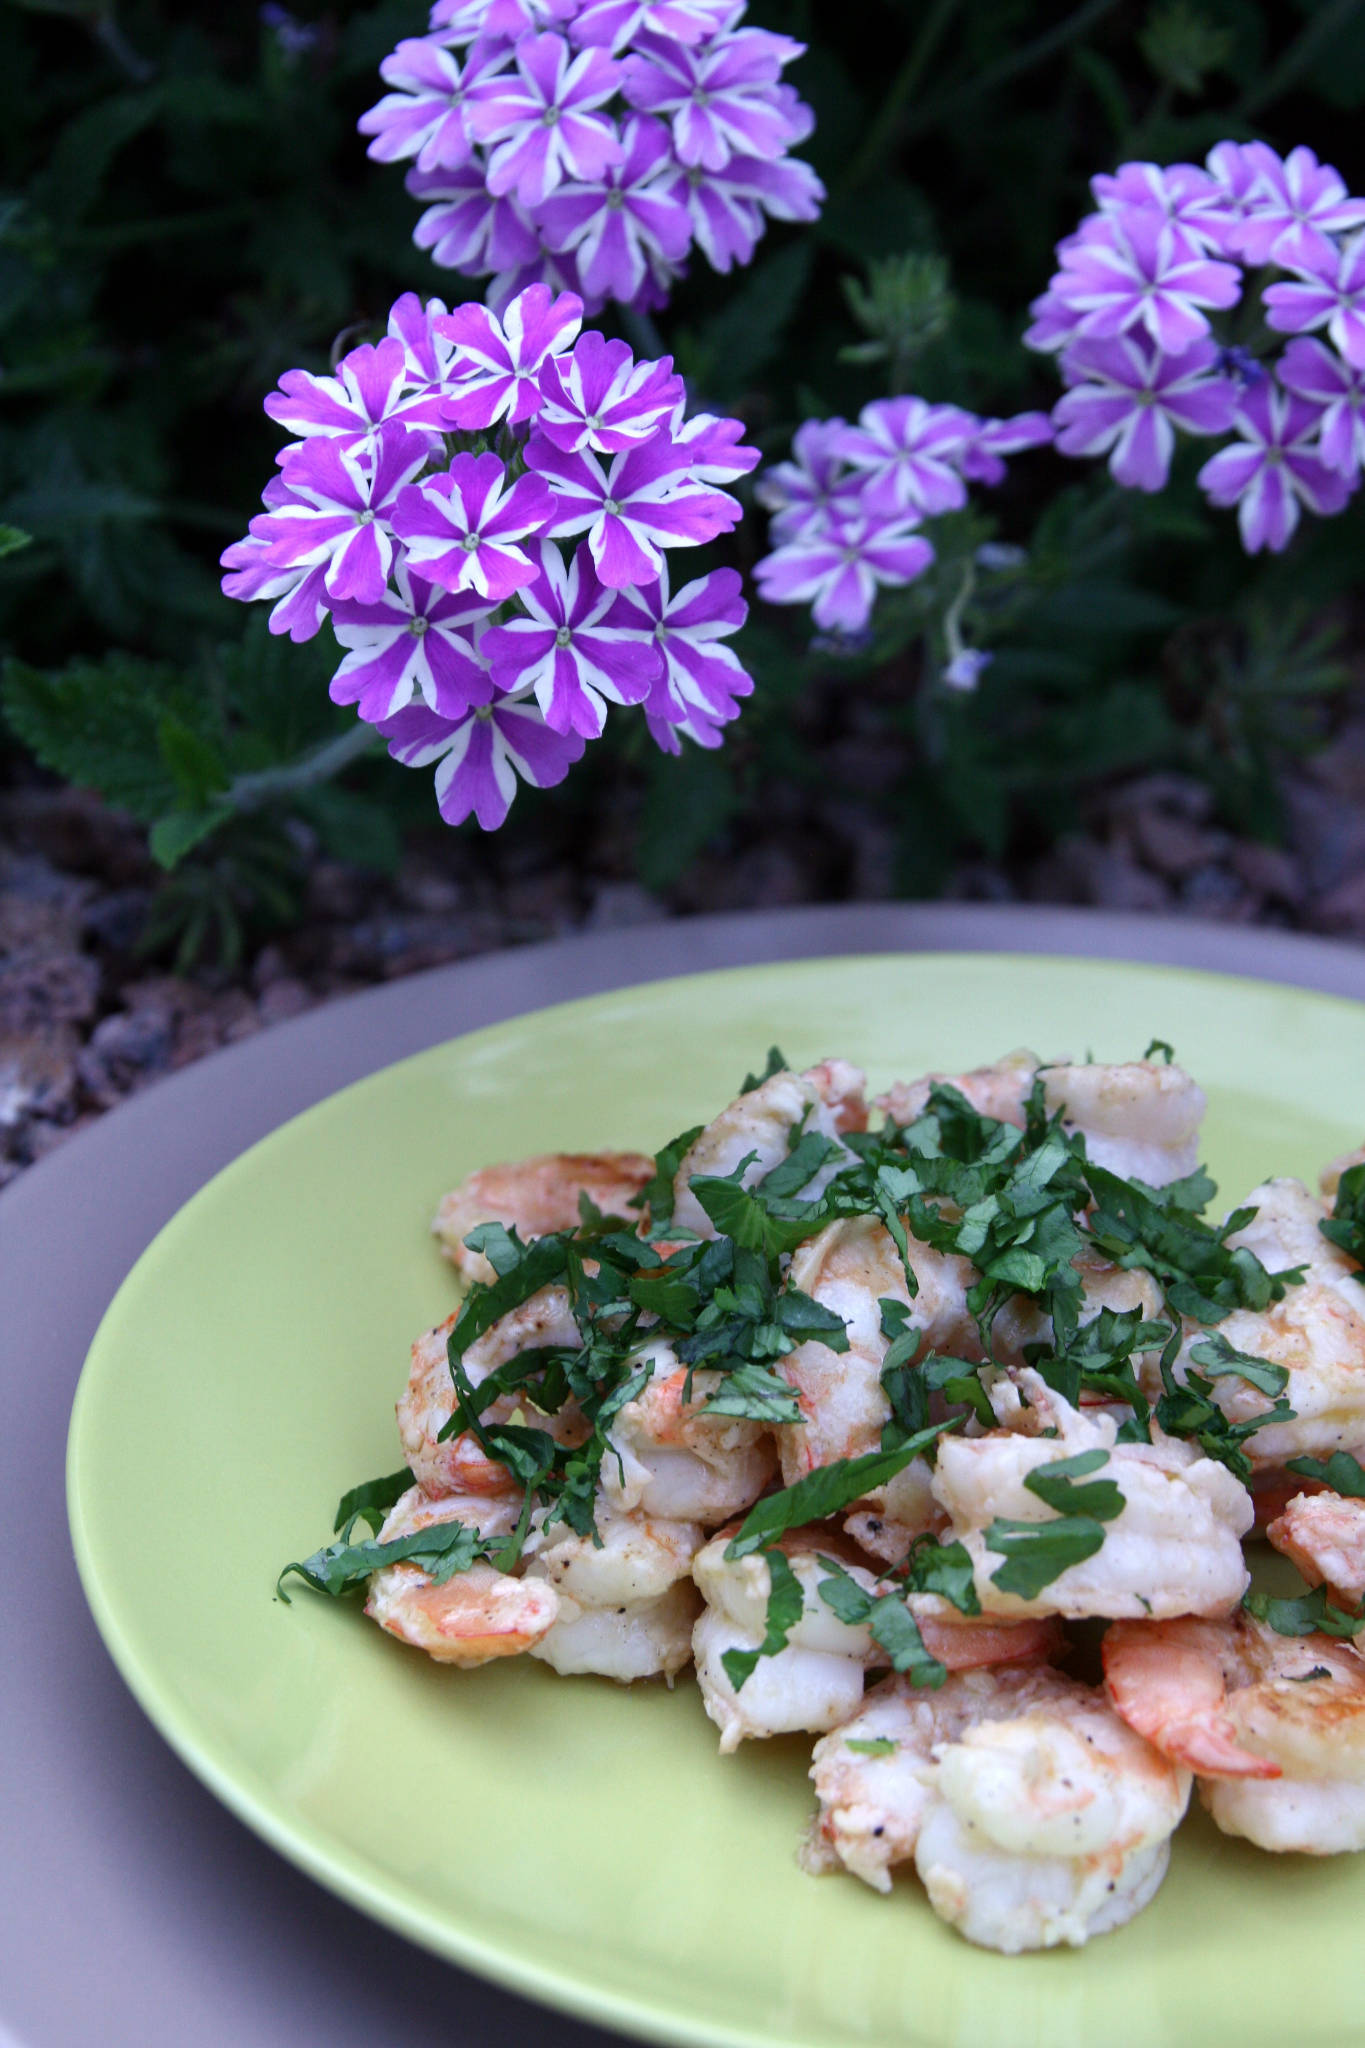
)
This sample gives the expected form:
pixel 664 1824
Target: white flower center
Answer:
pixel 661 631
pixel 615 199
pixel 550 116
pixel 563 636
pixel 418 626
pixel 470 542
pixel 613 506
pixel 365 518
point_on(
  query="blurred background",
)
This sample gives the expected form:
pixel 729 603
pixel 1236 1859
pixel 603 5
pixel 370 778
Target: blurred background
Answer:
pixel 187 212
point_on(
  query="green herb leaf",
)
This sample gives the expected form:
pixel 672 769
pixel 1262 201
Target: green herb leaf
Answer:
pixel 776 1064
pixel 825 1491
pixel 1343 1473
pixel 442 1550
pixel 1159 1045
pixel 1219 1358
pixel 657 1193
pixel 1055 1483
pixel 1310 1614
pixel 370 1502
pixel 875 1745
pixel 1036 1553
pixel 1345 1227
pixel 786 1604
pixel 756 1392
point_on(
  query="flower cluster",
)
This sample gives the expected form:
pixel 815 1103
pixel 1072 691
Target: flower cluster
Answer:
pixel 482 505
pixel 847 509
pixel 587 144
pixel 1129 310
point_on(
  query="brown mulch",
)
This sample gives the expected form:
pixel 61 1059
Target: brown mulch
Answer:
pixel 86 1020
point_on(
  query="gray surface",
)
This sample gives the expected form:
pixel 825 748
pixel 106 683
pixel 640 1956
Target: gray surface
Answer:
pixel 134 1911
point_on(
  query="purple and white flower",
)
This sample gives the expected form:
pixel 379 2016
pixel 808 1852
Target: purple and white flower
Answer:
pixel 909 452
pixel 1139 268
pixel 983 459
pixel 1274 468
pixel 467 227
pixel 1331 294
pixel 838 568
pixel 700 682
pixel 1315 373
pixel 600 397
pixel 425 116
pixel 298 596
pixel 569 651
pixel 713 450
pixel 461 528
pixel 642 501
pixel 498 363
pixel 615 23
pixel 331 508
pixel 540 126
pixel 722 95
pixel 1128 398
pixel 815 487
pixel 415 642
pixel 479 758
pixel 627 226
pixel 1294 207
pixel 1184 193
pixel 368 388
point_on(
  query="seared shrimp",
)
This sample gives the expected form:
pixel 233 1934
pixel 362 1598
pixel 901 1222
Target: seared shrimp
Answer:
pixel 626 1602
pixel 1274 1725
pixel 1140 1118
pixel 457 1465
pixel 1023 1320
pixel 1324 1535
pixel 535 1196
pixel 827 1099
pixel 1317 1333
pixel 1174 1549
pixel 1034 1816
pixel 849 1268
pixel 666 1457
pixel 475 1616
pixel 817 1680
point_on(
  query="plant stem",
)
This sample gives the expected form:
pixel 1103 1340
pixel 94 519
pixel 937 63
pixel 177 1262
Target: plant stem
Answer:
pixel 1019 61
pixel 248 792
pixel 115 44
pixel 903 85
pixel 1305 46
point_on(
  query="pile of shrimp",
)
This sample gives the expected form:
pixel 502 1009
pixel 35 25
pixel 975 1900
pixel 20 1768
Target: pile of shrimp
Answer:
pixel 1036 1808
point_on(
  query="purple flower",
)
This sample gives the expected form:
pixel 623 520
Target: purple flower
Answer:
pixel 1332 295
pixel 1143 270
pixel 468 228
pixel 966 669
pixel 424 117
pixel 331 506
pixel 700 682
pixel 815 487
pixel 991 440
pixel 1129 398
pixel 425 352
pixel 726 207
pixel 1273 469
pixel 463 21
pixel 461 528
pixel 909 452
pixel 568 651
pixel 723 94
pixel 712 450
pixel 480 756
pixel 1292 210
pixel 837 570
pixel 644 501
pixel 600 397
pixel 614 23
pixel 626 225
pixel 541 127
pixel 299 596
pixel 351 406
pixel 1192 198
pixel 411 644
pixel 497 364
pixel 1055 322
pixel 1313 372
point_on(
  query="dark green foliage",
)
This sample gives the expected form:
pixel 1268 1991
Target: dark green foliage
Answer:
pixel 186 211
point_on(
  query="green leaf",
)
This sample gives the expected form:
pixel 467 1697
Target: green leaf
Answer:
pixel 1343 1473
pixel 179 832
pixel 786 1604
pixel 98 725
pixel 12 539
pixel 756 1392
pixel 894 1627
pixel 370 1502
pixel 776 1063
pixel 1055 1484
pixel 825 1491
pixel 1036 1553
pixel 1310 1614
pixel 875 1745
pixel 1345 1227
pixel 442 1550
pixel 1219 1358
pixel 1159 1045
pixel 657 1193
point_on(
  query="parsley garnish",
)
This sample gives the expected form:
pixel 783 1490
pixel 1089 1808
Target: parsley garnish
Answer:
pixel 1343 1473
pixel 1310 1614
pixel 1345 1227
pixel 1036 1553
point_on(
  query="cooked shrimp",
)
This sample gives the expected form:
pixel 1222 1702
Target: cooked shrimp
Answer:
pixel 475 1616
pixel 1034 1816
pixel 626 1602
pixel 827 1099
pixel 1140 1118
pixel 536 1196
pixel 818 1678
pixel 1174 1549
pixel 1329 1180
pixel 428 1401
pixel 1274 1725
pixel 1317 1333
pixel 666 1457
pixel 849 1268
pixel 1023 1320
pixel 1324 1535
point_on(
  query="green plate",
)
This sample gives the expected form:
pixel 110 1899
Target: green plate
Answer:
pixel 576 1842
